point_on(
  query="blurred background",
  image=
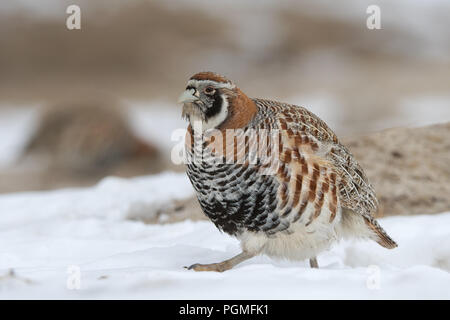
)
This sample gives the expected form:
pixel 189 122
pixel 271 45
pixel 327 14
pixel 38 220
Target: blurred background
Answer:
pixel 79 105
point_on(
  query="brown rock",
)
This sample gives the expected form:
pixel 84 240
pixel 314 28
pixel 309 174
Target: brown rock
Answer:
pixel 78 143
pixel 409 168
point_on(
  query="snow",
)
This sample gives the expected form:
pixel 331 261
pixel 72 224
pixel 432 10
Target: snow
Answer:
pixel 88 244
pixel 142 115
pixel 425 110
pixel 17 123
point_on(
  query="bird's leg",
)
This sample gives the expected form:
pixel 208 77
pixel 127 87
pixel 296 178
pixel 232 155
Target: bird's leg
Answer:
pixel 313 263
pixel 224 265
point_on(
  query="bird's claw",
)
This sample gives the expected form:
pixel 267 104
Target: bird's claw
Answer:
pixel 217 267
pixel 191 266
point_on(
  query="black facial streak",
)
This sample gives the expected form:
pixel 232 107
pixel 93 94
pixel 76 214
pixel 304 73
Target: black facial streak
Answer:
pixel 216 106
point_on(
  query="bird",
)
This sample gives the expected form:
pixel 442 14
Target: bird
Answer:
pixel 292 196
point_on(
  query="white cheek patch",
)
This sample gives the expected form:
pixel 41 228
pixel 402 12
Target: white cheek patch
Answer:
pixel 219 118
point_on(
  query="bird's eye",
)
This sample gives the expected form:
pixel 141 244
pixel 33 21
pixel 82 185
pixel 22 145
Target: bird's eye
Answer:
pixel 209 90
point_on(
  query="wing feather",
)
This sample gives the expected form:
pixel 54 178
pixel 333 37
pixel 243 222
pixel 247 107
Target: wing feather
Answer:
pixel 355 191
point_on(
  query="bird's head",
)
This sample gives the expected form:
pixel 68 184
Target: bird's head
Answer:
pixel 211 100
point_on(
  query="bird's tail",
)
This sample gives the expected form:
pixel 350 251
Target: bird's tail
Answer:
pixel 382 237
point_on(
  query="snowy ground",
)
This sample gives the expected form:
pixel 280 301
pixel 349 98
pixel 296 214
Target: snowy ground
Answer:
pixel 60 240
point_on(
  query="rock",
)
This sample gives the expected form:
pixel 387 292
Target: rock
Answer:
pixel 409 168
pixel 78 143
pixel 175 211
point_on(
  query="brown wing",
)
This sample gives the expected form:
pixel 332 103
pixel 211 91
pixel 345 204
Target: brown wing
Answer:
pixel 326 154
pixel 355 191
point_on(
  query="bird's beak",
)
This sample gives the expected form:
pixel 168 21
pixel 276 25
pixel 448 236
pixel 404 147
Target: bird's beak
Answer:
pixel 188 96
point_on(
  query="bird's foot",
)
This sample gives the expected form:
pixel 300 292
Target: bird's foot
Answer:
pixel 224 265
pixel 217 267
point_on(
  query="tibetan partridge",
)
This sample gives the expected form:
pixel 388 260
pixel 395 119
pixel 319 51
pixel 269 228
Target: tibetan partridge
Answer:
pixel 273 175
